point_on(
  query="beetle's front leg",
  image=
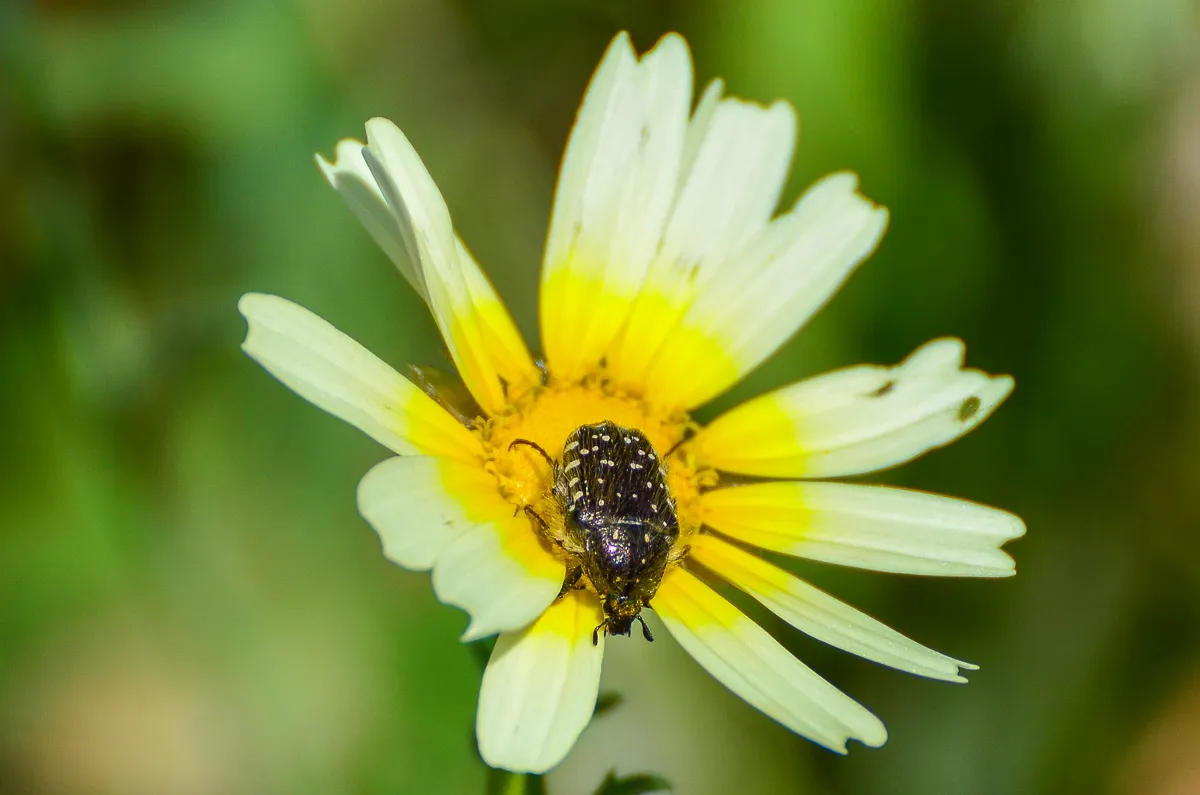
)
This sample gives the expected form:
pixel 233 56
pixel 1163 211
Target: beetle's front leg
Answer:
pixel 570 581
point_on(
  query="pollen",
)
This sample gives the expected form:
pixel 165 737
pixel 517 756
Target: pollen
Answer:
pixel 547 415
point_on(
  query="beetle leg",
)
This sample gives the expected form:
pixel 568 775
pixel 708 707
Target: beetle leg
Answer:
pixel 570 581
pixel 645 629
pixel 532 514
pixel 678 553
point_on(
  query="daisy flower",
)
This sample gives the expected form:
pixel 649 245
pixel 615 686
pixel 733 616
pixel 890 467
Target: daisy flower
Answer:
pixel 577 490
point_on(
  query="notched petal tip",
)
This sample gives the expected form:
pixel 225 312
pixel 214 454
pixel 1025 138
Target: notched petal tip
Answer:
pixel 849 183
pixel 347 159
pixel 328 169
pixel 874 736
pixel 1005 386
pixel 786 113
pixel 253 307
pixel 1006 565
pixel 245 307
pixel 346 149
pixel 473 633
pixel 1003 564
pixel 948 354
pixel 840 196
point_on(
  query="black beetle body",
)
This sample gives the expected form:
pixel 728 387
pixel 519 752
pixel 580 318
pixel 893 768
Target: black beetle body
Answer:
pixel 621 522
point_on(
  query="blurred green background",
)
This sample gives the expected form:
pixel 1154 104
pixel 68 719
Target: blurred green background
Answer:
pixel 189 603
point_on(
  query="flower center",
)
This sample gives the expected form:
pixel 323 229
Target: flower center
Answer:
pixel 546 415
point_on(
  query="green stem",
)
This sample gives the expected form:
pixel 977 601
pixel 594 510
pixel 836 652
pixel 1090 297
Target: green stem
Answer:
pixel 502 782
pixel 515 784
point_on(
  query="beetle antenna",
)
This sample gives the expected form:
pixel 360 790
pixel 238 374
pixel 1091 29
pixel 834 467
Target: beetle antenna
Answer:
pixel 535 446
pixel 645 629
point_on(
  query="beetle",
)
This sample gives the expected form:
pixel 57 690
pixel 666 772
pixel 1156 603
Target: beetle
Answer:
pixel 620 519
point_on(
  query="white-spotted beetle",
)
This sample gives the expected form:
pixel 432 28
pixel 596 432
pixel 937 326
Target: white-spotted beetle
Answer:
pixel 620 519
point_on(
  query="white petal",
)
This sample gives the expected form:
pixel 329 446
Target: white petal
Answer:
pixel 747 660
pixel 419 208
pixel 698 125
pixel 540 687
pixel 449 517
pixel 615 190
pixel 407 501
pixel 350 176
pixel 770 288
pixel 855 420
pixel 870 527
pixel 733 185
pixel 388 188
pixel 336 374
pixel 818 614
pixel 500 573
pixel 727 197
pixel 425 222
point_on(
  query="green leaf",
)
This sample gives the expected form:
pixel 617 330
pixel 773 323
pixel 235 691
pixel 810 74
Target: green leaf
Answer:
pixel 636 784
